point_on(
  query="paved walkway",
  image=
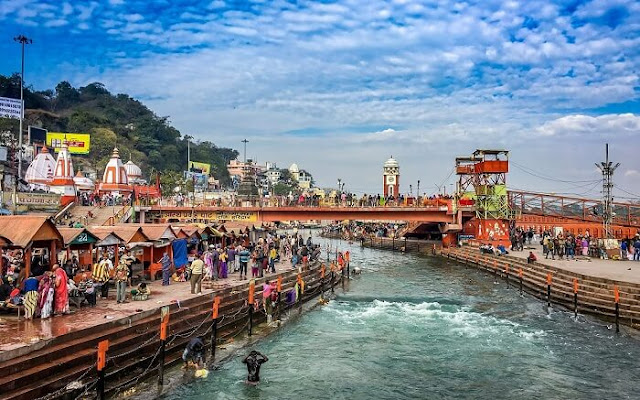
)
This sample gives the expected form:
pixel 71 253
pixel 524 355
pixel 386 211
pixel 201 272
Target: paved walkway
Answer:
pixel 625 271
pixel 16 333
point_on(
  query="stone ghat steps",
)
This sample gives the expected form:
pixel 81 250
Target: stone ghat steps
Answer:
pixel 595 295
pixel 596 290
pixel 629 291
pixel 67 357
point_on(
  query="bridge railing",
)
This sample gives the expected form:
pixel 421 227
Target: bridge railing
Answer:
pixel 276 202
pixel 625 214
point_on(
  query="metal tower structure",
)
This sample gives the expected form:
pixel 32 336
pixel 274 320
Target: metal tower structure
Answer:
pixel 607 169
pixel 485 174
pixel 482 183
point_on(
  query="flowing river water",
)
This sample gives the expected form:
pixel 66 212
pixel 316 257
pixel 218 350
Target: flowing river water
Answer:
pixel 413 327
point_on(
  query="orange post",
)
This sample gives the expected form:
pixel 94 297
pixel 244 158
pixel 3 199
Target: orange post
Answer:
pixel 279 284
pixel 549 279
pixel 216 306
pixel 252 291
pixel 575 298
pixel 103 346
pixel 520 275
pixel 164 327
pixel 616 295
pixel 322 270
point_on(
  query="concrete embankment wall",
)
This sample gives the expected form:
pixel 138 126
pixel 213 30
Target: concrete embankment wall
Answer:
pixel 393 244
pixel 595 295
pixel 134 343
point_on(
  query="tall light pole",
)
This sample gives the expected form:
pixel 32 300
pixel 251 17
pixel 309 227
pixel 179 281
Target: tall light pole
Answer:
pixel 245 141
pixel 188 137
pixel 418 193
pixel 22 40
pixel 607 169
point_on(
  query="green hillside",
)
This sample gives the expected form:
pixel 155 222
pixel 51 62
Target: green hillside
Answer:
pixel 112 120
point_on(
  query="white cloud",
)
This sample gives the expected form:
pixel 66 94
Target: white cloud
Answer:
pixel 608 125
pixel 56 23
pixel 216 4
pixel 634 173
pixel 424 79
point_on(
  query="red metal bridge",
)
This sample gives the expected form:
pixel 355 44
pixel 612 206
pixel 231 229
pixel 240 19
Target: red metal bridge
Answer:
pixel 537 210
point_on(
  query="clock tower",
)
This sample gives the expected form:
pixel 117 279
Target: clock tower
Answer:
pixel 391 178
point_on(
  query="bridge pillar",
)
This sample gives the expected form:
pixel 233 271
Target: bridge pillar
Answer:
pixel 449 239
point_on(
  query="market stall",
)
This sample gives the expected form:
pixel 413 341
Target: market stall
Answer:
pixel 35 236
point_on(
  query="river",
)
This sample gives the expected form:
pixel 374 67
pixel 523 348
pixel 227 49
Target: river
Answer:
pixel 412 327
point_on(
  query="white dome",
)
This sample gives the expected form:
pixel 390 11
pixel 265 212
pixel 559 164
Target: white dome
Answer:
pixel 41 168
pixel 133 171
pixel 83 183
pixel 391 162
pixel 294 168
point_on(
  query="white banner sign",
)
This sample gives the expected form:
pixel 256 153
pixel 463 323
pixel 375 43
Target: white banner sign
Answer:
pixel 10 108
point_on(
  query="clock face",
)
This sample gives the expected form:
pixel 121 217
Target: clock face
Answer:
pixel 391 179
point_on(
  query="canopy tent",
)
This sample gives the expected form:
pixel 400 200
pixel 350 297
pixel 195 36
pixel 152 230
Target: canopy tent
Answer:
pixel 29 232
pixel 80 240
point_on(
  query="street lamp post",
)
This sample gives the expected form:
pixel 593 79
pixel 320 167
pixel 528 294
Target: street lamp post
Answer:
pixel 245 141
pixel 188 137
pixel 418 193
pixel 22 40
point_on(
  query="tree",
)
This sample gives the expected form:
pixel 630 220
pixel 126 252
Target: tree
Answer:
pixel 283 189
pixel 285 176
pixel 66 96
pixel 169 181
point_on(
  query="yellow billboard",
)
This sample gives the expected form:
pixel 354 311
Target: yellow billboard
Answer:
pixel 79 143
pixel 199 166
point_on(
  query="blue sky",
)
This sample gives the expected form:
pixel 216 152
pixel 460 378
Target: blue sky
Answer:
pixel 339 86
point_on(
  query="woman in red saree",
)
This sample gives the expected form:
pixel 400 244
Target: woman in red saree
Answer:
pixel 61 295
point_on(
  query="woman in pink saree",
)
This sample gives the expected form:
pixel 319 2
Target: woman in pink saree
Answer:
pixel 61 295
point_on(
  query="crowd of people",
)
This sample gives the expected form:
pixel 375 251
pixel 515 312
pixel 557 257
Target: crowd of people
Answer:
pixel 219 262
pixel 42 295
pixel 568 246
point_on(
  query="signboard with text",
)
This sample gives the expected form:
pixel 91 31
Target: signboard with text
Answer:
pixel 79 143
pixel 10 108
pixel 203 168
pixel 240 216
pixel 47 200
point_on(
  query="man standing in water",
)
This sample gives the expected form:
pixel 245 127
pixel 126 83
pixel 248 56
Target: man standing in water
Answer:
pixel 194 352
pixel 254 360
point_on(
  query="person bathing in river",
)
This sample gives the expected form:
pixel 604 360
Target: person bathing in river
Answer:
pixel 194 352
pixel 254 360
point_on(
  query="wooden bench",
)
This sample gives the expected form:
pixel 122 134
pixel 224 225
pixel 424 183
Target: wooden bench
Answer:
pixel 12 307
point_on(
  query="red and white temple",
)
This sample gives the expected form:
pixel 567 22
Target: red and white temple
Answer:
pixel 115 179
pixel 40 171
pixel 62 182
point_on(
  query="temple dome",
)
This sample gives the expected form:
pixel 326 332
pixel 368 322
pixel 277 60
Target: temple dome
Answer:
pixel 115 177
pixel 133 171
pixel 83 183
pixel 41 169
pixel 294 168
pixel 390 163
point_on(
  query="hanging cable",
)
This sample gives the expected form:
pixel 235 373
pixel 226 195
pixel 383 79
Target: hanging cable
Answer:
pixel 531 172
